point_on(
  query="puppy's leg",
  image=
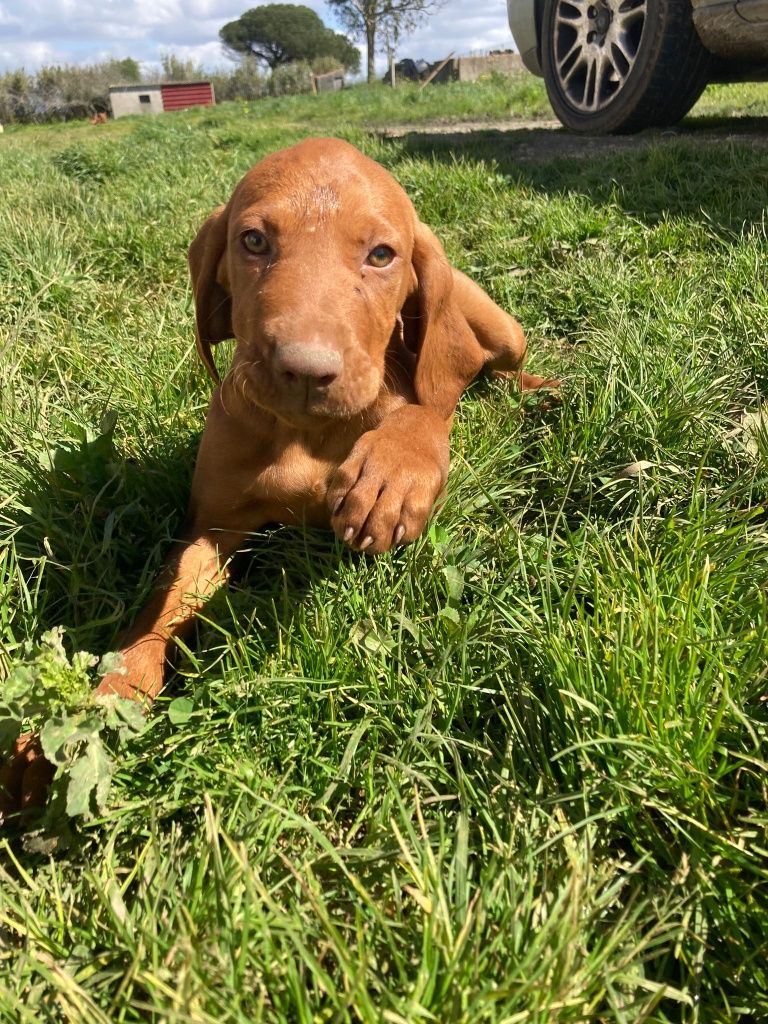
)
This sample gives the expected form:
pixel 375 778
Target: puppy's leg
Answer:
pixel 196 567
pixel 222 516
pixel 499 334
pixel 383 493
pixel 194 570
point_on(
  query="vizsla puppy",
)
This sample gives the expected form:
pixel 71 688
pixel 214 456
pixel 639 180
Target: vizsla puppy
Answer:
pixel 355 339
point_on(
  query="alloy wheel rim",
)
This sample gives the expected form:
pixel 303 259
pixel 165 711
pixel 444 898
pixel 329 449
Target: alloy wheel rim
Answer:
pixel 596 48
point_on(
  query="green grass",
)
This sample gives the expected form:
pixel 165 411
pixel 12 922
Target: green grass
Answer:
pixel 515 773
pixel 493 97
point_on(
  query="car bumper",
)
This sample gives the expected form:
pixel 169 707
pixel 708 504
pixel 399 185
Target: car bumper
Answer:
pixel 522 23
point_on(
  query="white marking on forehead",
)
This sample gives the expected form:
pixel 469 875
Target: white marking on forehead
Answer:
pixel 317 202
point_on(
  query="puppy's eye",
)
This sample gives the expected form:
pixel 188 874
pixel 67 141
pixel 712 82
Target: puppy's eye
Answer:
pixel 256 242
pixel 381 256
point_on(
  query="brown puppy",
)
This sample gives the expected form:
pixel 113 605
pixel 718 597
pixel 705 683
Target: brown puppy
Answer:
pixel 355 339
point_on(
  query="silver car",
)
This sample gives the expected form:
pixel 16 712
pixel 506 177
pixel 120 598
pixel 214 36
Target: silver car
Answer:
pixel 622 65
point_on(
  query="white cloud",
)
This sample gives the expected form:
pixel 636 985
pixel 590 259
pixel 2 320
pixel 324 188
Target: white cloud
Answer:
pixel 29 55
pixel 36 32
pixel 8 20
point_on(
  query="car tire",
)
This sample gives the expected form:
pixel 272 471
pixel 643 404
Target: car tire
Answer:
pixel 621 65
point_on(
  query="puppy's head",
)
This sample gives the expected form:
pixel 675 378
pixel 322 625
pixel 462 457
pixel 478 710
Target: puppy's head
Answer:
pixel 308 267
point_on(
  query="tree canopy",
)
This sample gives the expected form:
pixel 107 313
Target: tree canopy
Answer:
pixel 372 19
pixel 282 33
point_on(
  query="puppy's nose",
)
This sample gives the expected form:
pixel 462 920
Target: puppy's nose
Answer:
pixel 305 362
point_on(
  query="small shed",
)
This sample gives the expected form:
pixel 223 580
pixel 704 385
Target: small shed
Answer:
pixel 156 98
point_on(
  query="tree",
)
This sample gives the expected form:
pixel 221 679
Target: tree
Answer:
pixel 177 69
pixel 372 19
pixel 125 70
pixel 284 33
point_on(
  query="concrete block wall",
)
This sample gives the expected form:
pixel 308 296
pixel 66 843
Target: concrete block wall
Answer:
pixel 472 68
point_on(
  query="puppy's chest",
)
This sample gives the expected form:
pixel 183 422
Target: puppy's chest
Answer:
pixel 294 480
pixel 292 469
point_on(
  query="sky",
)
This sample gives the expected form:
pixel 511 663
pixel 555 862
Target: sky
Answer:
pixel 37 32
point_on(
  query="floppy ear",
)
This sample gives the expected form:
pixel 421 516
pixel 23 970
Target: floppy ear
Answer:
pixel 449 355
pixel 213 306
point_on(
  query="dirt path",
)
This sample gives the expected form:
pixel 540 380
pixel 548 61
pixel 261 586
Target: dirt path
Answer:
pixel 547 140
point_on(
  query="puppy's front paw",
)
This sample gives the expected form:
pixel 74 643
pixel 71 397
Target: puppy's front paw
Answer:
pixel 139 678
pixel 382 495
pixel 25 776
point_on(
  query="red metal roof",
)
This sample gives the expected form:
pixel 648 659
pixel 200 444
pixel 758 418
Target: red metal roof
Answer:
pixel 186 94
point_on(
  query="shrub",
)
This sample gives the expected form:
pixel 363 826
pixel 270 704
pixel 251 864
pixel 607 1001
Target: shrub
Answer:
pixel 63 93
pixel 291 79
pixel 246 82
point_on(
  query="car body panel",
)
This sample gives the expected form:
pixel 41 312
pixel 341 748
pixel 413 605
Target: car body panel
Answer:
pixel 735 30
pixel 755 11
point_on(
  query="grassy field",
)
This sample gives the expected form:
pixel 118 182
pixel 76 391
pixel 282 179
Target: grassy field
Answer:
pixel 515 773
